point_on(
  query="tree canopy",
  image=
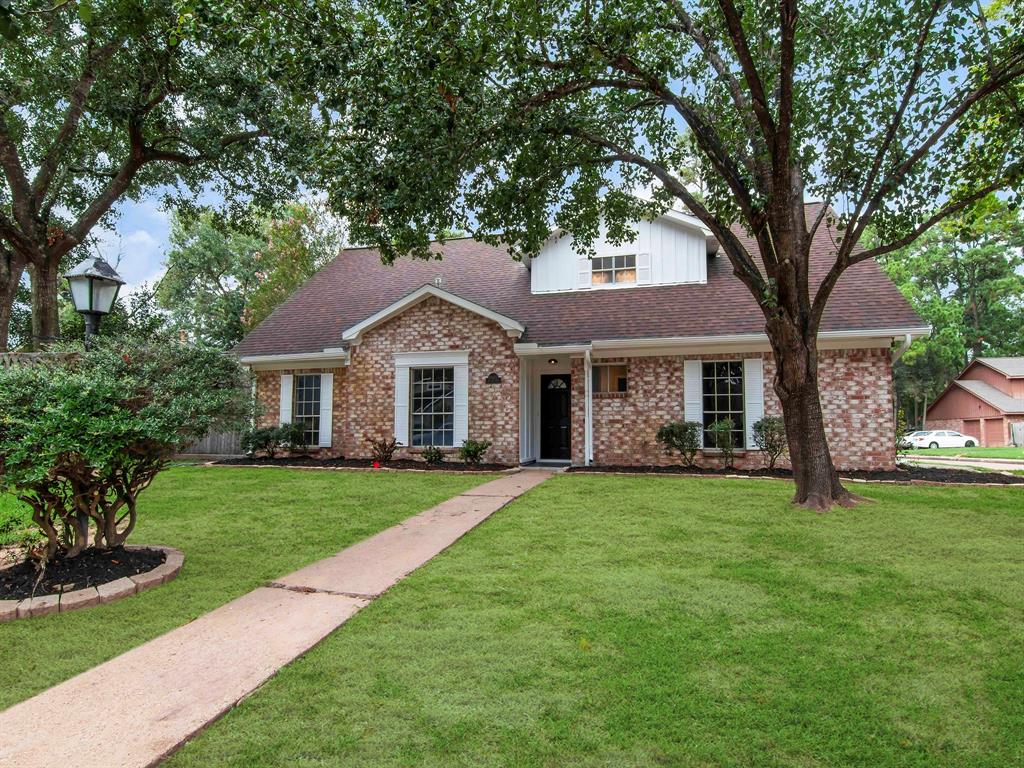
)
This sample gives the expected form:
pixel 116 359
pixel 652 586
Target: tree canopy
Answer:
pixel 108 100
pixel 83 433
pixel 509 117
pixel 966 279
pixel 223 280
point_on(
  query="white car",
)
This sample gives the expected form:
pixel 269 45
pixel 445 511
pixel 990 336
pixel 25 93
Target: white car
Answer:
pixel 940 438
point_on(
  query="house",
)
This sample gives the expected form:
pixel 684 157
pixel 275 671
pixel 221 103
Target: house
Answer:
pixel 563 358
pixel 983 401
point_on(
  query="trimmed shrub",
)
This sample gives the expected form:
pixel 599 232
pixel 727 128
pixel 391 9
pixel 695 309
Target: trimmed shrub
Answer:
pixel 82 436
pixel 383 450
pixel 433 455
pixel 472 451
pixel 721 433
pixel 682 437
pixel 770 437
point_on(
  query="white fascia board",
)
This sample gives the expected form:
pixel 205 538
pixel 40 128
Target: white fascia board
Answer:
pixel 327 359
pixel 532 349
pixel 754 342
pixel 508 324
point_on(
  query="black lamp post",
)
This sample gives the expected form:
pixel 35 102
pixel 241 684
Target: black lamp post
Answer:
pixel 94 286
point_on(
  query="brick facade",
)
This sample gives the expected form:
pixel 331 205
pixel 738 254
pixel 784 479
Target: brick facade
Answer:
pixel 856 397
pixel 364 391
pixel 856 394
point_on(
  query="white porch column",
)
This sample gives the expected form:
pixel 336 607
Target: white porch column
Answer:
pixel 588 411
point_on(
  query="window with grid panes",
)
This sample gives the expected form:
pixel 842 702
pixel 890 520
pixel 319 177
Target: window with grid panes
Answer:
pixel 432 407
pixel 306 406
pixel 723 398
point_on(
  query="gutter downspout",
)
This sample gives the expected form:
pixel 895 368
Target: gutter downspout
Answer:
pixel 588 411
pixel 903 347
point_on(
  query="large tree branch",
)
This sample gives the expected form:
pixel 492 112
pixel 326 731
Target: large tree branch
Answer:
pixel 72 117
pixel 686 25
pixel 21 196
pixel 842 263
pixel 897 120
pixel 1012 70
pixel 762 110
pixel 743 264
pixel 704 133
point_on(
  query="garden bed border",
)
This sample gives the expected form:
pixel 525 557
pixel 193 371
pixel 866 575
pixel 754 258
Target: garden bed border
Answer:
pixel 125 586
pixel 738 476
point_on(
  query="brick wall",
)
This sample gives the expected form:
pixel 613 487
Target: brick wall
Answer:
pixel 856 387
pixel 268 394
pixel 432 326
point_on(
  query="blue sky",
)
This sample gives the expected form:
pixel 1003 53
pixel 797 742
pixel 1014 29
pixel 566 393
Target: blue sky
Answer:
pixel 139 239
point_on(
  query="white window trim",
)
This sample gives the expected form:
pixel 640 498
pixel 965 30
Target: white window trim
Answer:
pixel 287 392
pixel 404 361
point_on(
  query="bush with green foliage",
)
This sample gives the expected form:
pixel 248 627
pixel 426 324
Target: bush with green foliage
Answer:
pixel 769 436
pixel 472 451
pixel 682 437
pixel 82 435
pixel 433 455
pixel 383 450
pixel 721 433
pixel 270 440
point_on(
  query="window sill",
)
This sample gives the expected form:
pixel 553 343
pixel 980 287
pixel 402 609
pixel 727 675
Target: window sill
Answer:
pixel 719 451
pixel 610 395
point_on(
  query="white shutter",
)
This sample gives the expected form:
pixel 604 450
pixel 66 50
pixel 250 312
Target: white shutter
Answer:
pixel 583 273
pixel 753 395
pixel 643 269
pixel 286 399
pixel 402 404
pixel 693 386
pixel 461 404
pixel 326 409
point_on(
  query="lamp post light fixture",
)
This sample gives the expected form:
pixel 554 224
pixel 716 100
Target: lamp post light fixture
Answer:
pixel 94 286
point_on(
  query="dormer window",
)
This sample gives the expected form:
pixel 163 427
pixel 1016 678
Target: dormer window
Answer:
pixel 613 270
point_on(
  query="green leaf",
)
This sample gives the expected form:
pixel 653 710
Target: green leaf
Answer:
pixel 85 11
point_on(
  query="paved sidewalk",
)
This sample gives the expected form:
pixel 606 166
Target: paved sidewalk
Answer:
pixel 160 694
pixel 966 462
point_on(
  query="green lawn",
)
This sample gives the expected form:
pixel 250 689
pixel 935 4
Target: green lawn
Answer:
pixel 995 452
pixel 618 621
pixel 238 528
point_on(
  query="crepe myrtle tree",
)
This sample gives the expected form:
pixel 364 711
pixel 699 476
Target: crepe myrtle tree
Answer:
pixel 84 432
pixel 103 101
pixel 505 117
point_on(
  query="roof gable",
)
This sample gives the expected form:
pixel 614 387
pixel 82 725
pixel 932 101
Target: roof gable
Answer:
pixel 353 334
pixel 1010 367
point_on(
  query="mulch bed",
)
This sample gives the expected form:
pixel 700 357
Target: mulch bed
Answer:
pixel 90 569
pixel 310 461
pixel 905 473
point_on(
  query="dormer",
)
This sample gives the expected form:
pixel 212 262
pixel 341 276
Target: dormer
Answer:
pixel 669 250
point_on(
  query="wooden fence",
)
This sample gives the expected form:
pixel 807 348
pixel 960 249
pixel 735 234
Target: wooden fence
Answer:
pixel 12 359
pixel 218 444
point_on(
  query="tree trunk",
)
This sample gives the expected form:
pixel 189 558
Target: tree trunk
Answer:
pixel 45 287
pixel 796 384
pixel 10 278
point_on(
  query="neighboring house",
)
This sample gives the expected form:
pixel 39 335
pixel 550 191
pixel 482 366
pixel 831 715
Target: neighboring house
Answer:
pixel 563 358
pixel 983 401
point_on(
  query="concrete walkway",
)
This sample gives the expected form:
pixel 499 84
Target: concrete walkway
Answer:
pixel 155 697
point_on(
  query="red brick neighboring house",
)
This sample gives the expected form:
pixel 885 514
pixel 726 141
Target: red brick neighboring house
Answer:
pixel 565 358
pixel 983 401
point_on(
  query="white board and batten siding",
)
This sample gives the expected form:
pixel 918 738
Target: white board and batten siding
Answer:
pixel 667 253
pixel 753 394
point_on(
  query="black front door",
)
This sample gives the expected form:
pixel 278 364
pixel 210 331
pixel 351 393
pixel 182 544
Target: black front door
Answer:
pixel 554 416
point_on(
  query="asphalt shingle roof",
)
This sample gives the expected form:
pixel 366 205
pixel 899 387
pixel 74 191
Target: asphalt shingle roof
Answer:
pixel 992 396
pixel 355 285
pixel 1008 366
